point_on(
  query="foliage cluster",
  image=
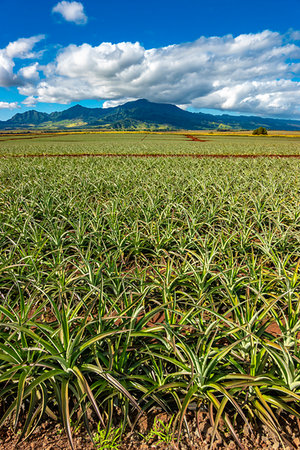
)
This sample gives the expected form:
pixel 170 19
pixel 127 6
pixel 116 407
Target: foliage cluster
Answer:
pixel 260 131
pixel 141 143
pixel 133 284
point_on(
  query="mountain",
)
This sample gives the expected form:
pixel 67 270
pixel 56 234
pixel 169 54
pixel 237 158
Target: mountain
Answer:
pixel 32 118
pixel 140 115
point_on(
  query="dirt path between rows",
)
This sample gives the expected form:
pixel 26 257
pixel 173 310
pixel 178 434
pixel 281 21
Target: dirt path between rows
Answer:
pixel 194 138
pixel 150 155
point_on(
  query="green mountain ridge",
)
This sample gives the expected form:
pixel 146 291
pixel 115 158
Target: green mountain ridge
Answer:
pixel 140 115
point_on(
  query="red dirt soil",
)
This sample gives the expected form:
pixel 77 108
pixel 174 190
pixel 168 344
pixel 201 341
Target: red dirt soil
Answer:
pixel 50 436
pixel 194 138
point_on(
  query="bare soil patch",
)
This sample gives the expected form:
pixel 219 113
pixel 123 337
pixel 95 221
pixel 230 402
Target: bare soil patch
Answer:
pixel 194 138
pixel 50 436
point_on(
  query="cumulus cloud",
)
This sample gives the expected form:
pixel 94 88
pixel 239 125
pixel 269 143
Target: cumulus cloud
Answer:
pixel 7 77
pixel 114 103
pixel 252 73
pixel 6 105
pixel 295 35
pixel 22 49
pixel 71 11
pixel 30 101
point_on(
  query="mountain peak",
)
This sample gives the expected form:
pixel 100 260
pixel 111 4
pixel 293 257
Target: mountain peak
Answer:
pixel 142 100
pixel 76 107
pixel 33 117
pixel 140 114
pixel 137 103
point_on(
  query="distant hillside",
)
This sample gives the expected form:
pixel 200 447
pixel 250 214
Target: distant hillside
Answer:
pixel 140 115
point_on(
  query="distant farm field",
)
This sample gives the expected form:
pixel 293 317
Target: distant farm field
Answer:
pixel 147 143
pixel 133 286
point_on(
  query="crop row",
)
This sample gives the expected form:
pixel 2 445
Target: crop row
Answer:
pixel 132 285
pixel 147 144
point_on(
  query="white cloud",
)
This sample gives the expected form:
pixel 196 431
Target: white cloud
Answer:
pixel 6 105
pixel 30 73
pixel 22 48
pixel 253 73
pixel 114 103
pixel 7 77
pixel 71 11
pixel 30 101
pixel 295 35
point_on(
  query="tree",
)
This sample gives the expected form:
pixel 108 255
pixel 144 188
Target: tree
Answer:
pixel 260 130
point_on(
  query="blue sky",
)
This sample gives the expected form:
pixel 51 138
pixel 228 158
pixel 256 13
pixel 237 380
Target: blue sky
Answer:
pixel 230 56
